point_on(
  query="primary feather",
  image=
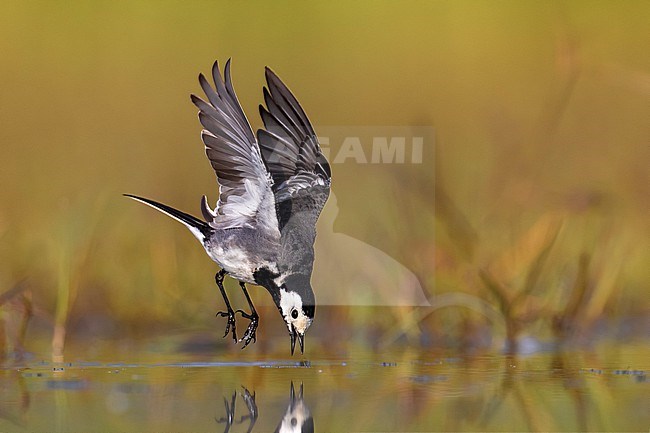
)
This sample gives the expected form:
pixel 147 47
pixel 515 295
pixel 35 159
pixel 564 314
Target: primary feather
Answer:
pixel 245 195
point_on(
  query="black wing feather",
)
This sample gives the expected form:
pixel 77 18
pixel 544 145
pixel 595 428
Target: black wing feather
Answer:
pixel 289 145
pixel 293 156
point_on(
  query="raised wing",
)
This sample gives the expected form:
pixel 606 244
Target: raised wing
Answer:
pixel 300 171
pixel 245 195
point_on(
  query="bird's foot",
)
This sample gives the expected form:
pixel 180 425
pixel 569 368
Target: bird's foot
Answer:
pixel 249 399
pixel 250 334
pixel 230 412
pixel 230 324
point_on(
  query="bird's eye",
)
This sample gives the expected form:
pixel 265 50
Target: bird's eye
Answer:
pixel 294 313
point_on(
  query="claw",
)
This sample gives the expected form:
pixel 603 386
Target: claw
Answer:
pixel 229 324
pixel 254 318
pixel 250 334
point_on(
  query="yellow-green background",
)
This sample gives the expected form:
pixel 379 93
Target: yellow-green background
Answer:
pixel 542 140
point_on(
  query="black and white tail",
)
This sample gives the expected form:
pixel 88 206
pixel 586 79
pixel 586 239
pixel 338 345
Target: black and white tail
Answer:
pixel 199 228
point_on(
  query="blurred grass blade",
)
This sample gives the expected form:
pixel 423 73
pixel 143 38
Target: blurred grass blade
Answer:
pixel 529 252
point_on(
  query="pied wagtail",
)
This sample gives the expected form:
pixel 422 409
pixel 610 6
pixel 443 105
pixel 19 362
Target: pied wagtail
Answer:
pixel 272 188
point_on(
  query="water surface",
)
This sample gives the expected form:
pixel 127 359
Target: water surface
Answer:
pixel 601 390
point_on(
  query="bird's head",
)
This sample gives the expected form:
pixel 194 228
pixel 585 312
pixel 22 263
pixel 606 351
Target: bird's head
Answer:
pixel 297 306
pixel 297 418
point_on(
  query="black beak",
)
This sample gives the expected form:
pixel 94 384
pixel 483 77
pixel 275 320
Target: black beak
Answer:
pixel 292 396
pixel 292 334
pixel 301 340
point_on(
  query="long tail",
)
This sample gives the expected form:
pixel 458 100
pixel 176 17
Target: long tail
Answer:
pixel 199 228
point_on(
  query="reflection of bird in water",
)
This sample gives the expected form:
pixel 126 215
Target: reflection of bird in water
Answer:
pixel 297 418
pixel 229 419
pixel 357 273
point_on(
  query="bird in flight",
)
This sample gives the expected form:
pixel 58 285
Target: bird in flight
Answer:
pixel 272 188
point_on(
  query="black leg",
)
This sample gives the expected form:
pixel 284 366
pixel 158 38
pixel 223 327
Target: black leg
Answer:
pixel 230 314
pixel 249 399
pixel 230 413
pixel 249 335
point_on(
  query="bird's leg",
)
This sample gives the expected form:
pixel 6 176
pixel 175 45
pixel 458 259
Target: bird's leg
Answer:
pixel 230 413
pixel 249 335
pixel 230 314
pixel 249 399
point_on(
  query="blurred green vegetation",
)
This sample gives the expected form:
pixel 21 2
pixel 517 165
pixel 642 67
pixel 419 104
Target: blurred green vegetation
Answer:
pixel 535 198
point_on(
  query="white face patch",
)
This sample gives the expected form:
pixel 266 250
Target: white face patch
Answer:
pixel 290 301
pixel 295 417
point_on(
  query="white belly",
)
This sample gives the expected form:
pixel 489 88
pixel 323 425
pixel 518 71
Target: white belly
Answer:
pixel 235 262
